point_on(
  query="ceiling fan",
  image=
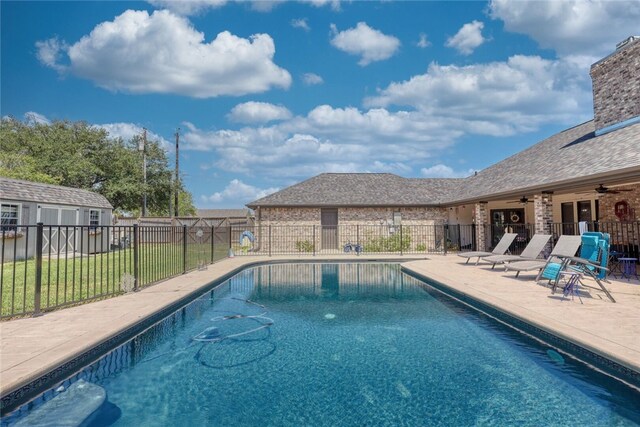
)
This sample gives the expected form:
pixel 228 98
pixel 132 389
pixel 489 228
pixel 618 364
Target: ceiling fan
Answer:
pixel 601 189
pixel 523 201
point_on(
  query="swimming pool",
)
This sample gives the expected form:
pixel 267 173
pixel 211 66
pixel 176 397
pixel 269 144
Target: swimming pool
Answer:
pixel 342 344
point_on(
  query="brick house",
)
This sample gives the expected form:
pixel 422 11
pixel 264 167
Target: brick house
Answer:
pixel 589 172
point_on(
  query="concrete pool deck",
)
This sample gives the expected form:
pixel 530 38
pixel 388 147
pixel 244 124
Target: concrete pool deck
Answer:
pixel 31 347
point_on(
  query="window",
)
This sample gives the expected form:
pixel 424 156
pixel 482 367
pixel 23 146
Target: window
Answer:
pixel 94 219
pixel 10 217
pixel 397 218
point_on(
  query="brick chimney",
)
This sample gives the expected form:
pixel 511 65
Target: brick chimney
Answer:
pixel 616 87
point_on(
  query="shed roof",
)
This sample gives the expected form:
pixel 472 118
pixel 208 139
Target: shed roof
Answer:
pixel 223 213
pixel 573 156
pixel 19 190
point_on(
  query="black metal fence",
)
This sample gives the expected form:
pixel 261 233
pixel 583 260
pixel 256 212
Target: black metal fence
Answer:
pixel 332 240
pixel 625 236
pixel 46 267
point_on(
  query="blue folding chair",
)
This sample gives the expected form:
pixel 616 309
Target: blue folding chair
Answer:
pixel 593 260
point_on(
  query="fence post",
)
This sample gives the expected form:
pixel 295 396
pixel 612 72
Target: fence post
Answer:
pixel 38 292
pixel 136 266
pixel 213 247
pixel 401 248
pixel 184 248
pixel 459 239
pixel 474 245
pixel 269 239
pixel 445 237
pixel 314 239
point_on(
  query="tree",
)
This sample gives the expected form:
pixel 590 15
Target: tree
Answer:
pixel 76 154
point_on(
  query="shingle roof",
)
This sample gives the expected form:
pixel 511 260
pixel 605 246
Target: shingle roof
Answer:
pixel 361 189
pixel 15 189
pixel 223 213
pixel 574 155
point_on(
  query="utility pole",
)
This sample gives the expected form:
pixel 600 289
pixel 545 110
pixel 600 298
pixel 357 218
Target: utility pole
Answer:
pixel 142 147
pixel 177 179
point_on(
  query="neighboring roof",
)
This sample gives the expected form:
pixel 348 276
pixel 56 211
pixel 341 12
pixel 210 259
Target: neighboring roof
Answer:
pixel 564 160
pixel 223 213
pixel 361 189
pixel 15 189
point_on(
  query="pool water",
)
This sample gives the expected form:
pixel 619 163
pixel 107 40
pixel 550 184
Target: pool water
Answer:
pixel 344 345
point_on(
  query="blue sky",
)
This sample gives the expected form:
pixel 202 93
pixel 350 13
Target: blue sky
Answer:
pixel 270 93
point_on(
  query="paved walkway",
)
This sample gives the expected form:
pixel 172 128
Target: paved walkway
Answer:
pixel 611 330
pixel 31 347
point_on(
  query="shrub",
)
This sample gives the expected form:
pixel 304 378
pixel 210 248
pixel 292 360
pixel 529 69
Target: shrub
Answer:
pixel 421 247
pixel 389 244
pixel 305 246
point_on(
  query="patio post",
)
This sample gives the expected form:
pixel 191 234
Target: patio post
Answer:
pixel 543 214
pixel 481 219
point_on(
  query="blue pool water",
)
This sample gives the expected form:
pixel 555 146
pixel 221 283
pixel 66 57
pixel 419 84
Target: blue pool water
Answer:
pixel 344 345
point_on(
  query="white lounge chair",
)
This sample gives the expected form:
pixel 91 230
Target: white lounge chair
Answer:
pixel 530 253
pixel 500 248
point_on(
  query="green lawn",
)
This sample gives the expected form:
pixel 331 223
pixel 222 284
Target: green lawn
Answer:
pixel 69 280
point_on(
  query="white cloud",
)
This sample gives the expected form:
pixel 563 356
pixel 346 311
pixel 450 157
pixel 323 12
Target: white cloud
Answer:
pixel 36 118
pixel 334 4
pixel 258 112
pixel 50 53
pixel 127 131
pixel 571 27
pixel 467 38
pixel 188 7
pixel 423 42
pixel 239 193
pixel 300 23
pixel 368 43
pixel 443 171
pixel 164 53
pixel 312 79
pixel 498 98
pixel 327 139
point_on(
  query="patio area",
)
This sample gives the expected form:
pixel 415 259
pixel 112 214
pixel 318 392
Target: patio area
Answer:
pixel 31 347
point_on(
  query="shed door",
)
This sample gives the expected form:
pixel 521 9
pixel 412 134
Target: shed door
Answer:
pixel 329 223
pixel 49 216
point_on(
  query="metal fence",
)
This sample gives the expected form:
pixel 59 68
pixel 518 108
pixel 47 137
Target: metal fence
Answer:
pixel 46 267
pixel 332 240
pixel 625 236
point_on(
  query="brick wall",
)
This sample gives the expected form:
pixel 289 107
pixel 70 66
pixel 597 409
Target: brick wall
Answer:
pixel 287 228
pixel 616 86
pixel 608 201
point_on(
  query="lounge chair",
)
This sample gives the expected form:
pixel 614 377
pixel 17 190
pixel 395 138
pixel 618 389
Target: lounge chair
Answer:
pixel 592 262
pixel 566 246
pixel 530 253
pixel 500 248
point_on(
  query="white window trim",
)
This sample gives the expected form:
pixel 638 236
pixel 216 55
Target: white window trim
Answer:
pixel 99 217
pixel 19 205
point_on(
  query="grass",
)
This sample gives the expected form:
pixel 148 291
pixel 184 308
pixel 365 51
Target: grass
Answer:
pixel 68 280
